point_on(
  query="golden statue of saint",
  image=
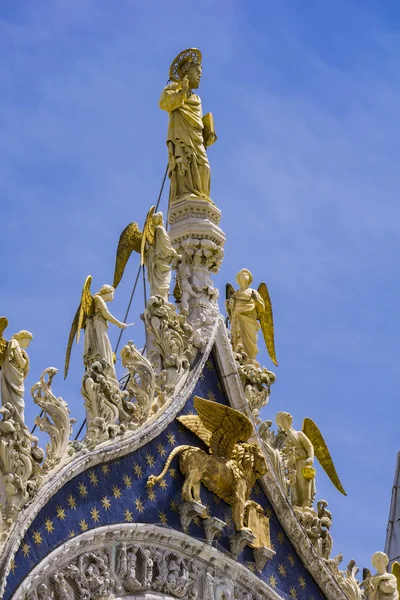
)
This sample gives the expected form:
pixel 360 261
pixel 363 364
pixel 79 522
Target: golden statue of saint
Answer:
pixel 189 133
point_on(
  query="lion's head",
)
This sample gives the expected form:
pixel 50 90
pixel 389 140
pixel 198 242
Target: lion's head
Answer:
pixel 250 459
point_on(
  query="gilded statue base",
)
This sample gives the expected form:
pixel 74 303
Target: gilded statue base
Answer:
pixel 189 511
pixel 212 526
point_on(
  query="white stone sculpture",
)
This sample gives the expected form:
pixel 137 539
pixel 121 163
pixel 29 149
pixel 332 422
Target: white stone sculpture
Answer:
pixel 159 255
pixel 382 585
pixel 302 488
pixel 256 381
pixel 170 339
pixel 93 317
pixel 60 427
pixel 20 456
pixel 142 382
pixel 14 369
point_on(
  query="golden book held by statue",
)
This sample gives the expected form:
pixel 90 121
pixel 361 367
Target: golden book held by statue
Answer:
pixel 209 135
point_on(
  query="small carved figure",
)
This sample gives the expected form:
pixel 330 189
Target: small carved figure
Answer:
pixel 93 316
pixel 382 585
pixel 148 571
pixel 185 287
pixel 299 447
pixel 230 469
pixel 248 310
pixel 14 365
pixel 189 133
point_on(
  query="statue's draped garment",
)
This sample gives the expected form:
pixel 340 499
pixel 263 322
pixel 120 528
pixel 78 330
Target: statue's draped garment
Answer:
pixel 244 324
pixel 384 587
pixel 188 166
pixel 303 490
pixel 13 378
pixel 97 344
pixel 158 258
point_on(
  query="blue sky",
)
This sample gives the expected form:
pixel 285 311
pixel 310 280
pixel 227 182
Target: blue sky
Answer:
pixel 305 96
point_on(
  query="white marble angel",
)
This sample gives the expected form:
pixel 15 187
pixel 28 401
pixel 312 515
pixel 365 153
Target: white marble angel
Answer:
pixel 93 317
pixel 248 311
pixel 14 365
pixel 155 248
pixel 382 585
pixel 300 447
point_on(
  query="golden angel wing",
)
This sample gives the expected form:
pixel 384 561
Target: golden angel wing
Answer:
pixel 130 240
pixel 194 423
pixel 86 306
pixel 227 426
pixel 267 322
pixel 396 573
pixel 148 234
pixel 321 452
pixel 72 334
pixel 85 310
pixel 3 341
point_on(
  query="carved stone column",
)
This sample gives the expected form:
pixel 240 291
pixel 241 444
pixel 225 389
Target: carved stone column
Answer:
pixel 196 235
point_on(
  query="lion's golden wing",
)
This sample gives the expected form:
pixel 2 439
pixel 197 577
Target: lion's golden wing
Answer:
pixel 396 573
pixel 194 423
pixel 130 240
pixel 149 234
pixel 227 425
pixel 321 452
pixel 267 322
pixel 3 341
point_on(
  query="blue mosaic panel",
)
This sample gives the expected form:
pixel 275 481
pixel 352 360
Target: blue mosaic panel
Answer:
pixel 115 492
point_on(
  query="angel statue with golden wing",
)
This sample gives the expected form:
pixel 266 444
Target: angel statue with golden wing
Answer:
pixel 232 465
pixel 155 249
pixel 249 310
pixel 93 317
pixel 14 365
pixel 300 447
pixel 382 585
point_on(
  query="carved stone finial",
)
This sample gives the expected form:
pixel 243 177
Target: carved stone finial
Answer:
pixel 60 428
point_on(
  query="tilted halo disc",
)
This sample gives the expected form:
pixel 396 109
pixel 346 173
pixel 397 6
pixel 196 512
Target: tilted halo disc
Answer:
pixel 191 54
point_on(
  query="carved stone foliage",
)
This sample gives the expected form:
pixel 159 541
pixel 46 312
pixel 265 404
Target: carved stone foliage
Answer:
pixel 20 470
pixel 256 381
pixel 317 527
pixel 137 568
pixel 346 579
pixel 201 257
pixel 172 344
pixel 55 420
pixel 141 384
pixel 108 410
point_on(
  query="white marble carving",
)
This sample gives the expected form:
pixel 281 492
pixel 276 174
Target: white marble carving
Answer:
pixel 116 561
pixel 59 428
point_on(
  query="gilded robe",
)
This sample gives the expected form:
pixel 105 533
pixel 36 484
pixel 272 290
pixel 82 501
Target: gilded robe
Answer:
pixel 188 166
pixel 244 324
